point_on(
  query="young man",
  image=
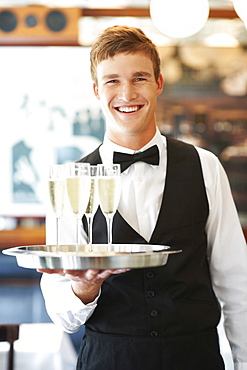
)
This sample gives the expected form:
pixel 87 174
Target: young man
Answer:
pixel 164 317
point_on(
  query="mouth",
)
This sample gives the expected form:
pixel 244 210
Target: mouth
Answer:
pixel 128 109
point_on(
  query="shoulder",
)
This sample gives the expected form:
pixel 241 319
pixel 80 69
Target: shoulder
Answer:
pixel 185 150
pixel 210 164
pixel 207 158
pixel 214 174
pixel 92 158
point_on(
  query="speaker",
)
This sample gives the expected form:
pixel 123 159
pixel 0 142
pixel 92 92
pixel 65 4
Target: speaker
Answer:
pixel 39 25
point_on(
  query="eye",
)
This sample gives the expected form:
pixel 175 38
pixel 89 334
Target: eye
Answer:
pixel 140 79
pixel 111 82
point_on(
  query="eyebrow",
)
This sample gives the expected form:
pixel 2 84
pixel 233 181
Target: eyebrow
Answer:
pixel 142 73
pixel 110 77
pixel 136 74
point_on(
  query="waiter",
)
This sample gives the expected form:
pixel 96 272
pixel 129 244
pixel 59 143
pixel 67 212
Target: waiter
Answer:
pixel 164 317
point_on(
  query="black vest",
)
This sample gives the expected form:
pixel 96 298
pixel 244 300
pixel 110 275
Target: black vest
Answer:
pixel 175 298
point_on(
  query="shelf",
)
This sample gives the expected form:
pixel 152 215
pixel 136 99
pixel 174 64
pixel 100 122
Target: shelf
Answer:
pixel 22 236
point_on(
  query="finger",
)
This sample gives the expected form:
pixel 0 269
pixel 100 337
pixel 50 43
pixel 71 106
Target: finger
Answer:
pixel 120 271
pixel 88 274
pixel 50 271
pixel 104 274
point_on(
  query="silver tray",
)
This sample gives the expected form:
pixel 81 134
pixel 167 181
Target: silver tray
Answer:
pixel 96 256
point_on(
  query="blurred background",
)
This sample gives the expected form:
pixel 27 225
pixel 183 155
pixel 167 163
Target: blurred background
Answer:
pixel 48 113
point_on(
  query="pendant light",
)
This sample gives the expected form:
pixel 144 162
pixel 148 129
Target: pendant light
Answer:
pixel 179 18
pixel 240 7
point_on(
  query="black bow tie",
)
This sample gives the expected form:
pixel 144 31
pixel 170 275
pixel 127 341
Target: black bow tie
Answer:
pixel 150 156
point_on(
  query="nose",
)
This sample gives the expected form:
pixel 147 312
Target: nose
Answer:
pixel 127 92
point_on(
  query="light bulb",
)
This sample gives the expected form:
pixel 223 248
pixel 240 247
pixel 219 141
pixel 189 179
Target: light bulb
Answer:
pixel 179 18
pixel 240 7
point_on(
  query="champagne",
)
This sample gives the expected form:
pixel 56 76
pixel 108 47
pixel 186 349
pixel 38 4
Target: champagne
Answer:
pixel 93 198
pixel 109 189
pixel 57 192
pixel 78 191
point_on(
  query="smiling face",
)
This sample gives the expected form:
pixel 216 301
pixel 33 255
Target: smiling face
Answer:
pixel 128 92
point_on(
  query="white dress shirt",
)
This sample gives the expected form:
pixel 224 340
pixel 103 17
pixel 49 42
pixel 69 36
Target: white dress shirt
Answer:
pixel 227 252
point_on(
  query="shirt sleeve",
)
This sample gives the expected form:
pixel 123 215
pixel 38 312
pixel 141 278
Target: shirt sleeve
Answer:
pixel 227 254
pixel 63 306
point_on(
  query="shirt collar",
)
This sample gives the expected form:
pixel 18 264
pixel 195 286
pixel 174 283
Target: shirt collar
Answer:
pixel 108 147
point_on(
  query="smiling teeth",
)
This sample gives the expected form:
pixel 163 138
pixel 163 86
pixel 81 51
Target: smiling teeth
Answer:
pixel 128 109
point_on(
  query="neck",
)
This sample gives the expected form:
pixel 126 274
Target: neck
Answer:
pixel 134 142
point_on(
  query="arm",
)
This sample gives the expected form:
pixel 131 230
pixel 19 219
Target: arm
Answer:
pixel 227 254
pixel 71 296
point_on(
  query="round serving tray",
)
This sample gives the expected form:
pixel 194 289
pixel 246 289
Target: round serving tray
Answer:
pixel 95 256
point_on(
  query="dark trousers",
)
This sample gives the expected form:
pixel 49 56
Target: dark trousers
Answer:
pixel 115 352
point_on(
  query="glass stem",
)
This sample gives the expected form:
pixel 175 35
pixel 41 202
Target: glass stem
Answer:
pixel 78 229
pixel 57 231
pixel 90 231
pixel 109 230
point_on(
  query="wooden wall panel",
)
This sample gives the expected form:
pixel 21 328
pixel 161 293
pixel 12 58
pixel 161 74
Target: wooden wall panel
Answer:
pixel 39 25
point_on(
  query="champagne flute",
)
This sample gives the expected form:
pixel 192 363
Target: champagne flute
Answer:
pixel 109 190
pixel 92 204
pixel 78 188
pixel 57 190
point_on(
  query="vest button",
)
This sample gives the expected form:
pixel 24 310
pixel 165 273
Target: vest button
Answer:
pixel 154 333
pixel 150 274
pixel 154 313
pixel 150 294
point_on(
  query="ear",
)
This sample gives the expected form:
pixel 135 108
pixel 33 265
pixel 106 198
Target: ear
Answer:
pixel 96 91
pixel 160 84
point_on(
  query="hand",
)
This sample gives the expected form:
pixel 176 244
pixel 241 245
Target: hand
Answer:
pixel 85 283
